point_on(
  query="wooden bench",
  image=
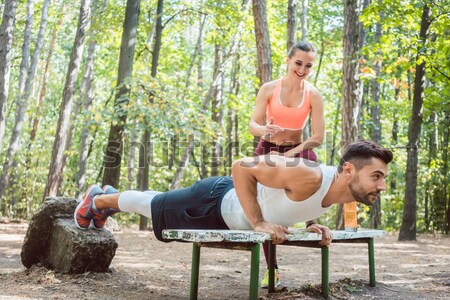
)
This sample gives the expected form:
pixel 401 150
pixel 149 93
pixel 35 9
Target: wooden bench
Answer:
pixel 250 240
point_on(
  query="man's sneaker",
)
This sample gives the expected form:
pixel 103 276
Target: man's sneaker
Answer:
pixel 100 219
pixel 265 280
pixel 85 211
pixel 109 190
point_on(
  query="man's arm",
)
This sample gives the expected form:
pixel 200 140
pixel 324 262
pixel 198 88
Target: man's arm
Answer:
pixel 327 236
pixel 270 171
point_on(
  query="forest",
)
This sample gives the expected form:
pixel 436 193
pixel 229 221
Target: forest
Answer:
pixel 157 94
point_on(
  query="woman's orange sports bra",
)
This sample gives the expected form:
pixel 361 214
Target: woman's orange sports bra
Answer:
pixel 291 118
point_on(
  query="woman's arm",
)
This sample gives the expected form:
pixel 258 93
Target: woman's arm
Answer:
pixel 258 125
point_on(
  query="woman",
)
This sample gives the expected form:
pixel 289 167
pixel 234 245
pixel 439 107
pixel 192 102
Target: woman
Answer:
pixel 282 109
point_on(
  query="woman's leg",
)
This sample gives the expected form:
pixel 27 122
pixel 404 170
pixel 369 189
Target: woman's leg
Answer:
pixel 265 147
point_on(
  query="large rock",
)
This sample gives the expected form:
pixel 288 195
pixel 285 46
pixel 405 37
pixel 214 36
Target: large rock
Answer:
pixel 54 240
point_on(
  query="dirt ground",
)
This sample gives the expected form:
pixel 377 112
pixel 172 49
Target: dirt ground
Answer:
pixel 145 268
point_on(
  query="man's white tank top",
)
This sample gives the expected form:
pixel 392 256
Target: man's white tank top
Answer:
pixel 275 205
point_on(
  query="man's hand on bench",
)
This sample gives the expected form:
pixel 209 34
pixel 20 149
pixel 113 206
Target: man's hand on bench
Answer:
pixel 277 232
pixel 327 236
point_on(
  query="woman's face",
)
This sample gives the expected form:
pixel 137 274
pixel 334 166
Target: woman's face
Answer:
pixel 300 63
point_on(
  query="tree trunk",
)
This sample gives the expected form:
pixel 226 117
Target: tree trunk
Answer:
pixel 262 41
pixel 351 87
pixel 375 129
pixel 144 171
pixel 351 84
pixel 393 176
pixel 132 155
pixel 57 162
pixel 84 91
pixel 446 198
pixel 20 102
pixel 319 65
pixel 304 20
pixel 86 99
pixel 205 103
pixel 264 54
pixel 291 24
pixel 432 147
pixel 408 228
pixel 6 40
pixel 114 150
pixel 307 128
pixel 333 147
pixel 232 116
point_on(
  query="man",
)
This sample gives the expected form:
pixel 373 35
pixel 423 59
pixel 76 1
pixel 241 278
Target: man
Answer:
pixel 266 193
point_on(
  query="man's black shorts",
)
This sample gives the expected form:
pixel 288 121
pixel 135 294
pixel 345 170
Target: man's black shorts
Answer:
pixel 194 207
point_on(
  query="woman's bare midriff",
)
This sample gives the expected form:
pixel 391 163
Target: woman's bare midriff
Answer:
pixel 285 138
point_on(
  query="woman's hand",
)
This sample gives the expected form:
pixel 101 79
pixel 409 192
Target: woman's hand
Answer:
pixel 271 129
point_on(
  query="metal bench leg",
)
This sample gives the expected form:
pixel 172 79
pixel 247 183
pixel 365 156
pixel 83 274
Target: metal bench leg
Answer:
pixel 272 254
pixel 193 294
pixel 254 272
pixel 371 262
pixel 325 271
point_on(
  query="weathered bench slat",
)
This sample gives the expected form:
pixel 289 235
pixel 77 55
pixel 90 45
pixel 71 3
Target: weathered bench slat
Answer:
pixel 237 236
pixel 206 236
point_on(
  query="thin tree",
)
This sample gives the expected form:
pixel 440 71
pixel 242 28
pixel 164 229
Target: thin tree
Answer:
pixel 352 86
pixel 57 161
pixel 232 137
pixel 291 24
pixel 144 170
pixel 433 133
pixel 304 20
pixel 6 40
pixel 445 158
pixel 114 150
pixel 408 228
pixel 264 53
pixel 262 41
pixel 14 142
pixel 86 97
pixel 375 129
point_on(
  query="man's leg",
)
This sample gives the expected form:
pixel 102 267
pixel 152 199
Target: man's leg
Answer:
pixel 96 205
pixel 107 201
pixel 128 201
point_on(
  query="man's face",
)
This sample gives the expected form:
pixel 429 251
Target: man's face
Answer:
pixel 368 182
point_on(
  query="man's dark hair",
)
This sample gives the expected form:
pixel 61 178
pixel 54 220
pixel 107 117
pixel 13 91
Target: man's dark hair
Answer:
pixel 360 152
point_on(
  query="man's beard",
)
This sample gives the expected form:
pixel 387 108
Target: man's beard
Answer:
pixel 359 195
